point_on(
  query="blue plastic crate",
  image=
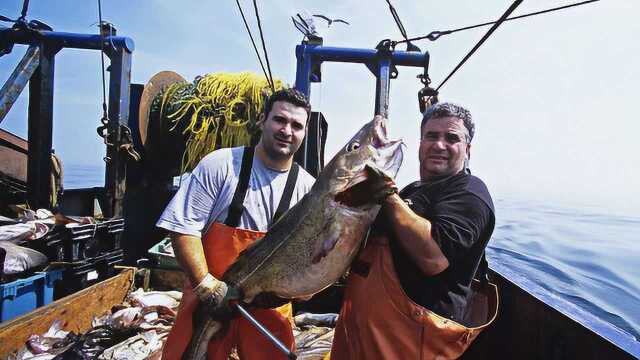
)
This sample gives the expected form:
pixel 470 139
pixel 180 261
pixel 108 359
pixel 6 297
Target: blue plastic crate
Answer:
pixel 24 295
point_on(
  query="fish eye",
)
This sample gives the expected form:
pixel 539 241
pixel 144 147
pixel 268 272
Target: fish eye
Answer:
pixel 353 146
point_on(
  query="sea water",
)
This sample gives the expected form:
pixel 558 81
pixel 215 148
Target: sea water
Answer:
pixel 587 257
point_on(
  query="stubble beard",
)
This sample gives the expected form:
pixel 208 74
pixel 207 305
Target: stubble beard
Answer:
pixel 278 153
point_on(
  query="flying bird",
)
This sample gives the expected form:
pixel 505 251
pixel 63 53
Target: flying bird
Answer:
pixel 330 21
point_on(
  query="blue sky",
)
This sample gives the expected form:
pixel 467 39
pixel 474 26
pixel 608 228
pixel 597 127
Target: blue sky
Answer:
pixel 553 96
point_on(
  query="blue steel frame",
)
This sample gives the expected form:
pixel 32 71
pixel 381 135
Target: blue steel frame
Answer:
pixel 119 50
pixel 381 63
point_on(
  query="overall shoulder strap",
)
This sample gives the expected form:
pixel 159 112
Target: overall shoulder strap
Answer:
pixel 236 208
pixel 290 185
pixel 482 273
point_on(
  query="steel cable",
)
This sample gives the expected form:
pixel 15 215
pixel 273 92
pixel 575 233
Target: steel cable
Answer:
pixel 264 47
pixel 434 35
pixel 255 48
pixel 484 38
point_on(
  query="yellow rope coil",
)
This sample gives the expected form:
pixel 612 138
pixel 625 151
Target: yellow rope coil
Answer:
pixel 222 111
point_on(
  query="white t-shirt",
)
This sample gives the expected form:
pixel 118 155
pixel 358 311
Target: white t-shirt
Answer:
pixel 204 197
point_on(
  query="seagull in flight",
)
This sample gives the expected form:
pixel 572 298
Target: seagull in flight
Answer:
pixel 330 21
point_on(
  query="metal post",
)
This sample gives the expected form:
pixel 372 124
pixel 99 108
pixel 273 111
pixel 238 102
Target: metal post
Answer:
pixel 119 80
pixel 303 69
pixel 382 87
pixel 18 80
pixel 303 84
pixel 40 129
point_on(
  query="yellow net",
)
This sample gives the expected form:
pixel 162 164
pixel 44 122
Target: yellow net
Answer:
pixel 218 110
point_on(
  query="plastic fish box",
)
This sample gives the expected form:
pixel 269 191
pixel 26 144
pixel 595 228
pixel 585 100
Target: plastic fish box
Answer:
pixel 22 296
pixel 163 260
pixel 106 263
pixel 109 234
pixel 81 274
pixel 80 242
pixel 52 245
pixel 76 276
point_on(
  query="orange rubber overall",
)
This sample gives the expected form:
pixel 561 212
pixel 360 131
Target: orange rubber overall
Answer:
pixel 378 320
pixel 222 244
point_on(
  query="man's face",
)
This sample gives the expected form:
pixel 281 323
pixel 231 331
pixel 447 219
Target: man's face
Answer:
pixel 443 147
pixel 283 130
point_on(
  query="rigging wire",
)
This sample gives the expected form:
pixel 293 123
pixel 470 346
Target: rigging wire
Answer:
pixel 255 48
pixel 502 18
pixel 434 35
pixel 396 18
pixel 105 113
pixel 264 47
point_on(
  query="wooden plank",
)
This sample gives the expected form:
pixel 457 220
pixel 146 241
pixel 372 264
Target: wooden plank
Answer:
pixel 76 311
pixel 13 152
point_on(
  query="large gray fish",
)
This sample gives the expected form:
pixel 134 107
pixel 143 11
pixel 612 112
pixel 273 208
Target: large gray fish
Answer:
pixel 313 244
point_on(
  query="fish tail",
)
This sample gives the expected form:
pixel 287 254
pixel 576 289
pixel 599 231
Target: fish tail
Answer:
pixel 199 342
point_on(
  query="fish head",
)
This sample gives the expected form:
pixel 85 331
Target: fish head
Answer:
pixel 345 176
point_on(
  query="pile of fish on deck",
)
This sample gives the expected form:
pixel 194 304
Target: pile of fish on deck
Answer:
pixel 134 330
pixel 313 335
pixel 138 328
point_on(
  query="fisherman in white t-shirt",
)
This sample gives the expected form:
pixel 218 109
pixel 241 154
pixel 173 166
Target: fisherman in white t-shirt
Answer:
pixel 227 203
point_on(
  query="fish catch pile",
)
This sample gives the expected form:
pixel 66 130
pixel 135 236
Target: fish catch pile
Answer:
pixel 314 335
pixel 138 328
pixel 134 330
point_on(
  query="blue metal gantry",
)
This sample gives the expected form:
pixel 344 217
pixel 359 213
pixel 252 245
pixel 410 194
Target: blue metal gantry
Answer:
pixel 381 62
pixel 40 119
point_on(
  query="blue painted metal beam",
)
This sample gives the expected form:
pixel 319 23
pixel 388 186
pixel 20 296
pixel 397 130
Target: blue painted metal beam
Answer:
pixel 119 93
pixel 40 129
pixel 18 80
pixel 363 56
pixel 380 62
pixel 65 39
pixel 383 82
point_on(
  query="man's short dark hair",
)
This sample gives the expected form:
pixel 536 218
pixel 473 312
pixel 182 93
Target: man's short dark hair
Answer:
pixel 441 110
pixel 290 95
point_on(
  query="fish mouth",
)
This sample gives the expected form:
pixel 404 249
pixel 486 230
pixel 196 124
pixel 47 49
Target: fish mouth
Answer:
pixel 387 156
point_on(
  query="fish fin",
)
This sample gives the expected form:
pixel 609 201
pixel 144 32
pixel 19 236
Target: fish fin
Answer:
pixel 247 251
pixel 325 248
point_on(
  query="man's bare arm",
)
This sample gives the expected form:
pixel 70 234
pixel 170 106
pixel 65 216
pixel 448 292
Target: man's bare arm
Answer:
pixel 190 255
pixel 413 232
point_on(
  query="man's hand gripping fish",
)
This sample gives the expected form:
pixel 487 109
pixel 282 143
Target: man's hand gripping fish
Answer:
pixel 313 244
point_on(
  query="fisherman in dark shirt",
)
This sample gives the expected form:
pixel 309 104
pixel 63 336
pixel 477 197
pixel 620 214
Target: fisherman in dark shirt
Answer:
pixel 409 292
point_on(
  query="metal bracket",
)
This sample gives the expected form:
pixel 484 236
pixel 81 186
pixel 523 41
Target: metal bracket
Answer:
pixel 124 143
pixel 385 50
pixel 427 96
